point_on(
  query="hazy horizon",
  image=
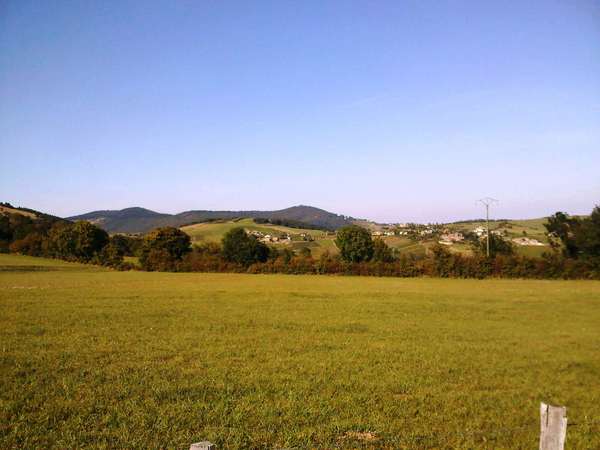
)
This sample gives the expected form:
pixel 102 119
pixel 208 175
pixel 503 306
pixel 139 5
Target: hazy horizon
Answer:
pixel 393 111
pixel 494 215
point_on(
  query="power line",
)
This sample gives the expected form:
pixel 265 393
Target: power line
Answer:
pixel 487 202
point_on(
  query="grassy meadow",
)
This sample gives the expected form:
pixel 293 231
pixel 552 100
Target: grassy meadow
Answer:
pixel 533 228
pixel 92 358
pixel 214 231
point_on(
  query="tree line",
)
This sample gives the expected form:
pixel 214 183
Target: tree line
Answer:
pixel 52 237
pixel 575 251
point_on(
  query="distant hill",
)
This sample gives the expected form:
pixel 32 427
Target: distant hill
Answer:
pixel 6 208
pixel 317 241
pixel 141 220
pixel 128 220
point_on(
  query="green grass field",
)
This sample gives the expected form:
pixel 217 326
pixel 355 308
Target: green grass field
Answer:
pixel 533 228
pixel 214 232
pixel 92 358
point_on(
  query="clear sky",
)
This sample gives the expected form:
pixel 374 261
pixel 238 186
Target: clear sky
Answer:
pixel 388 110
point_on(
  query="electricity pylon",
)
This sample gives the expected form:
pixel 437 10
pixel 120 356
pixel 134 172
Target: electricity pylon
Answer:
pixel 487 201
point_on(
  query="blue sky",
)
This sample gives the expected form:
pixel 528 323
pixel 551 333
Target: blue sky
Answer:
pixel 393 111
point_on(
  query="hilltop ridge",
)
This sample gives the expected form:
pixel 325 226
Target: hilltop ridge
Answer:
pixel 139 220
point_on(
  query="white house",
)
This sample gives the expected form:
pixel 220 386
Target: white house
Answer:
pixel 480 231
pixel 527 241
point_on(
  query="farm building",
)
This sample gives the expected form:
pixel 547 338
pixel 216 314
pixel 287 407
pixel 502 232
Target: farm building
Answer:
pixel 527 241
pixel 450 238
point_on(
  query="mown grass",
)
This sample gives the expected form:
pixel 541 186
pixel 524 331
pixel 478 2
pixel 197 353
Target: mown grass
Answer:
pixel 102 359
pixel 19 263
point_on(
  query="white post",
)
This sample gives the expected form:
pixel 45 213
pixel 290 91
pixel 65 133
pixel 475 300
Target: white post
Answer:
pixel 553 427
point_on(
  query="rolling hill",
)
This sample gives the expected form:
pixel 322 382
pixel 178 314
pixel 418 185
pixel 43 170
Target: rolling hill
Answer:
pixel 318 242
pixel 321 241
pixel 141 220
pixel 210 226
pixel 128 220
pixel 8 209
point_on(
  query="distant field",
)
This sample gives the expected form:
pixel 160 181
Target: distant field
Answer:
pixel 97 358
pixel 214 232
pixel 533 228
pixel 11 263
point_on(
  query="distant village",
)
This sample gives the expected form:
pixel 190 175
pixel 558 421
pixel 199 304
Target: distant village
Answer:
pixel 444 235
pixel 281 238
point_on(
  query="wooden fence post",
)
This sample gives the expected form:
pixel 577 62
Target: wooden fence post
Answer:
pixel 553 427
pixel 204 445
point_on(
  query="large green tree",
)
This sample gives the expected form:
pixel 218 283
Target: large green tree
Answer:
pixel 32 245
pixel 125 245
pixel 381 251
pixel 5 233
pixel 89 240
pixel 241 248
pixel 576 237
pixel 61 241
pixel 163 248
pixel 80 241
pixel 587 236
pixel 562 231
pixel 355 243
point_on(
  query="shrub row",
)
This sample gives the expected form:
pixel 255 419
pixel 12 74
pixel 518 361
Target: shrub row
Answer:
pixel 439 263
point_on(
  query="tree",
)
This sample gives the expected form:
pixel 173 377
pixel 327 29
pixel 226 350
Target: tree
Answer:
pixel 111 255
pixel 120 245
pixel 31 245
pixel 5 233
pixel 159 260
pixel 21 226
pixel 5 228
pixel 163 248
pixel 381 251
pixel 442 260
pixel 89 240
pixel 61 241
pixel 305 252
pixel 286 255
pixel 498 246
pixel 208 248
pixel 587 236
pixel 243 249
pixel 355 243
pixel 561 232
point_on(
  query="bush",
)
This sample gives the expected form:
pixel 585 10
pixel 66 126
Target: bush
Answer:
pixel 355 243
pixel 32 245
pixel 111 255
pixel 240 248
pixel 498 246
pixel 158 260
pixel 89 240
pixel 164 248
pixel 381 252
